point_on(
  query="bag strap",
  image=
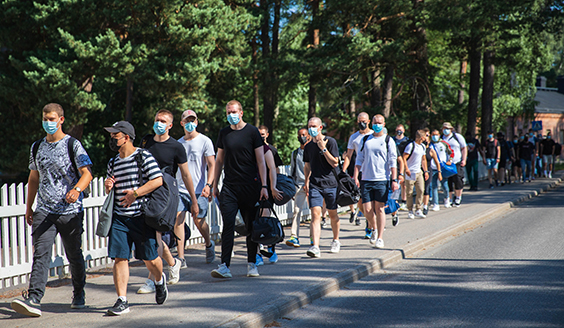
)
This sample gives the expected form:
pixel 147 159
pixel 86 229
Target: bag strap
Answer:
pixel 35 149
pixel 294 157
pixel 412 148
pixel 269 206
pixel 139 161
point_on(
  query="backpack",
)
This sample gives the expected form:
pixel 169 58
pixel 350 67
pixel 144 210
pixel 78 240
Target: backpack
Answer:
pixel 412 148
pixel 70 152
pixel 161 204
pixel 287 186
pixel 347 191
pixel 402 145
pixel 557 149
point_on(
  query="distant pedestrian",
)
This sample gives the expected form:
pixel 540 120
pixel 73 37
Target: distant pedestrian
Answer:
pixel 547 149
pixel 128 222
pixel 525 154
pixel 474 149
pixel 503 174
pixel 402 141
pixel 444 155
pixel 59 173
pixel 458 146
pixel 321 157
pixel 493 153
pixel 297 173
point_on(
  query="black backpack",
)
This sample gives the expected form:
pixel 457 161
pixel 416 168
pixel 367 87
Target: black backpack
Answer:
pixel 347 191
pixel 70 152
pixel 161 204
pixel 557 149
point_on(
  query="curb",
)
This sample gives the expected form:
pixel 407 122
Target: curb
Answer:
pixel 266 314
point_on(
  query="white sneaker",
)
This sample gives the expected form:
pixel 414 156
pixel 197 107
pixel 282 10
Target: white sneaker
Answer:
pixel 222 271
pixel 373 237
pixel 550 175
pixel 447 202
pixel 420 214
pixel 410 215
pixel 379 243
pixel 252 270
pixel 436 208
pixel 147 288
pixel 335 246
pixel 403 207
pixel 174 272
pixel 313 251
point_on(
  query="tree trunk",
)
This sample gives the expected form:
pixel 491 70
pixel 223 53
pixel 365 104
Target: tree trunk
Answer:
pixel 312 94
pixel 129 100
pixel 256 98
pixel 474 87
pixel 267 82
pixel 375 96
pixel 487 93
pixel 463 68
pixel 420 102
pixel 387 90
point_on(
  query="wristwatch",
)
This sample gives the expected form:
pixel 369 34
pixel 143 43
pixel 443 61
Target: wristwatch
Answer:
pixel 209 185
pixel 77 189
pixel 394 180
pixel 265 187
pixel 135 193
pixel 324 150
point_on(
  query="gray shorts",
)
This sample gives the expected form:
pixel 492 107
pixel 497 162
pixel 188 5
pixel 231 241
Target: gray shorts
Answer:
pixel 548 159
pixel 185 203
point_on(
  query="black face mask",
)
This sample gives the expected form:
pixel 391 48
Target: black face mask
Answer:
pixel 302 140
pixel 362 125
pixel 113 145
pixel 425 143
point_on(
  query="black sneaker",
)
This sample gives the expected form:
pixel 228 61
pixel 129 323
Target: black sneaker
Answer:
pixel 425 210
pixel 323 223
pixel 119 308
pixel 78 301
pixel 357 221
pixel 395 220
pixel 266 251
pixel 30 306
pixel 353 215
pixel 161 294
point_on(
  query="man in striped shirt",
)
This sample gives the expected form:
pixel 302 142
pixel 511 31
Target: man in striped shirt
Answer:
pixel 128 223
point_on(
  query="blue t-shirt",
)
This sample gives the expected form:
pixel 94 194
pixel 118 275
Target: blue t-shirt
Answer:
pixel 57 176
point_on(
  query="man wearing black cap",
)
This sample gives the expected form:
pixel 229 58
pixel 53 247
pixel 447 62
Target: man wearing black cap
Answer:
pixel 128 224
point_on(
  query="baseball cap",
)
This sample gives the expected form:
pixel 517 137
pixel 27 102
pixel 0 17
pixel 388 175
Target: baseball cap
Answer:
pixel 188 113
pixel 447 125
pixel 122 126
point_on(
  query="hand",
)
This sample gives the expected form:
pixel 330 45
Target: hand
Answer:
pixel 194 209
pixel 306 188
pixel 448 163
pixel 395 186
pixel 485 162
pixel 463 163
pixel 426 176
pixel 206 191
pixel 29 216
pixel 216 192
pixel 497 160
pixel 72 196
pixel 263 194
pixel 128 199
pixel 407 172
pixel 357 182
pixel 440 176
pixel 401 179
pixel 277 194
pixel 321 143
pixel 109 184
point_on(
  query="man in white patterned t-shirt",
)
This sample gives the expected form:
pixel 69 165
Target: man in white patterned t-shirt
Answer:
pixel 128 223
pixel 59 172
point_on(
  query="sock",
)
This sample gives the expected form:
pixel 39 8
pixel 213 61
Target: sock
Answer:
pixel 160 282
pixel 123 299
pixel 458 199
pixel 425 207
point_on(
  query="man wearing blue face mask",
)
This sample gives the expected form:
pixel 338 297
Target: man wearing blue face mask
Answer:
pixel 201 159
pixel 59 171
pixel 171 156
pixel 547 148
pixel 459 148
pixel 493 153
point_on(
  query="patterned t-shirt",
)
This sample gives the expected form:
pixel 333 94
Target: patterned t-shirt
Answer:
pixel 126 174
pixel 57 176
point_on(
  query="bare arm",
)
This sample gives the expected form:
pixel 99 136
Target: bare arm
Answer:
pixel 307 173
pixel 187 178
pixel 145 189
pixel 219 157
pixel 259 154
pixel 85 178
pixel 210 161
pixel 272 169
pixel 32 187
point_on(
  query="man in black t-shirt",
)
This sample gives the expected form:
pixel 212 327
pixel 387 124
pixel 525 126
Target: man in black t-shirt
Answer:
pixel 474 147
pixel 525 153
pixel 321 157
pixel 492 158
pixel 547 150
pixel 240 155
pixel 171 156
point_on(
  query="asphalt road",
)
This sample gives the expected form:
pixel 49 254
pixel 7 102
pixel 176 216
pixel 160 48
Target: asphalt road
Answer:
pixel 507 273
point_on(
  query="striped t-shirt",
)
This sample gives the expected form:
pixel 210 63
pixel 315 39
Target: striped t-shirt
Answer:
pixel 126 174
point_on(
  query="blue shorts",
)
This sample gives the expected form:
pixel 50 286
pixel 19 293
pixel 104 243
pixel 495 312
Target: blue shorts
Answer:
pixel 125 232
pixel 185 203
pixel 491 163
pixel 317 195
pixel 374 191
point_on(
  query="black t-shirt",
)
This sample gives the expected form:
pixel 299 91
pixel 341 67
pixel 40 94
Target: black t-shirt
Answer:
pixel 473 148
pixel 167 153
pixel 526 150
pixel 491 148
pixel 547 146
pixel 240 162
pixel 321 171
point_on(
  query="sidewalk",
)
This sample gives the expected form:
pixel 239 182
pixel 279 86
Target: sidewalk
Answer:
pixel 199 300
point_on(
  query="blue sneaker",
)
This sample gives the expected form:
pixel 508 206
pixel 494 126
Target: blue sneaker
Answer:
pixel 368 234
pixel 274 258
pixel 259 260
pixel 293 242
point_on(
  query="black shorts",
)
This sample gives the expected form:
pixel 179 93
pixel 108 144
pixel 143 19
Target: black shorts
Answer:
pixel 456 182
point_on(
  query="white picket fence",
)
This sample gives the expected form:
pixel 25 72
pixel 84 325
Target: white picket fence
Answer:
pixel 16 247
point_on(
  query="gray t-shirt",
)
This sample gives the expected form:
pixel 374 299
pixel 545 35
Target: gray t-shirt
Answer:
pixel 57 176
pixel 197 150
pixel 297 167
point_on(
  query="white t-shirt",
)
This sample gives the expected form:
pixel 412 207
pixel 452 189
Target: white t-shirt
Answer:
pixel 442 153
pixel 355 141
pixel 414 161
pixel 197 150
pixel 456 145
pixel 375 160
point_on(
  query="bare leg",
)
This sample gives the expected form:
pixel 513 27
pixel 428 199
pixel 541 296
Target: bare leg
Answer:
pixel 335 223
pixel 121 276
pixel 380 217
pixel 179 232
pixel 315 226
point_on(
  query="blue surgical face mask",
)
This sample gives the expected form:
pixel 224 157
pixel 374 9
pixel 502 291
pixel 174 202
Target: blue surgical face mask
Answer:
pixel 233 118
pixel 435 138
pixel 50 127
pixel 531 134
pixel 522 137
pixel 313 132
pixel 446 132
pixel 159 128
pixel 490 136
pixel 377 127
pixel 190 126
pixel 548 137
